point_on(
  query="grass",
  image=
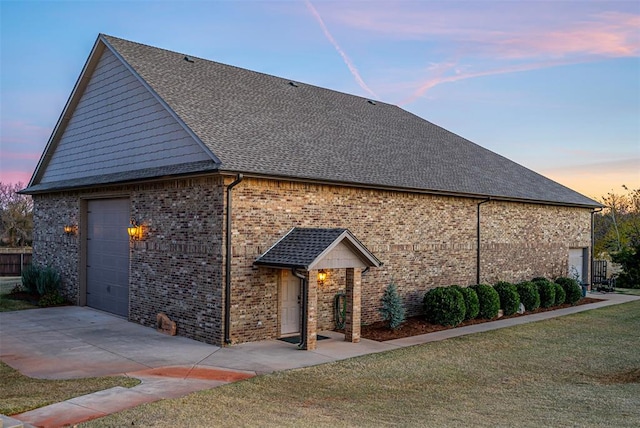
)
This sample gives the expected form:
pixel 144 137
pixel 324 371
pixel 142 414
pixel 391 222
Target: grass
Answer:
pixel 20 393
pixel 631 291
pixel 6 304
pixel 578 370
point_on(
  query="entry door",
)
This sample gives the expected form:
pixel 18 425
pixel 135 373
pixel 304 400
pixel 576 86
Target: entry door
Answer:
pixel 108 255
pixel 576 263
pixel 290 304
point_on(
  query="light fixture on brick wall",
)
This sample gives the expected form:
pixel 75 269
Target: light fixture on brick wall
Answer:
pixel 70 229
pixel 322 276
pixel 134 230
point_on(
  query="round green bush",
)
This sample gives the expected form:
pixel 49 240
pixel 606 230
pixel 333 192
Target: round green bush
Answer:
pixel 444 306
pixel 560 294
pixel 509 298
pixel 571 288
pixel 547 292
pixel 529 295
pixel 489 301
pixel 471 303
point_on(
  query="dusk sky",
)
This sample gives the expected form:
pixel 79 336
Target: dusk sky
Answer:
pixel 552 85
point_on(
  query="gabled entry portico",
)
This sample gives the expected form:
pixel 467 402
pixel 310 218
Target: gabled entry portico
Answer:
pixel 308 253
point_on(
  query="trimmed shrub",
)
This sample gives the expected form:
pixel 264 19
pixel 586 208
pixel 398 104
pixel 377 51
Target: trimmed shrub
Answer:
pixel 529 295
pixel 471 303
pixel 509 298
pixel 444 306
pixel 392 309
pixel 572 289
pixel 29 279
pixel 547 292
pixel 50 299
pixel 488 299
pixel 48 281
pixel 561 296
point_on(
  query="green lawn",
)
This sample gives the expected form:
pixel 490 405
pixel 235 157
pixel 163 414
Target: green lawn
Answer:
pixel 21 393
pixel 632 291
pixel 6 285
pixel 579 370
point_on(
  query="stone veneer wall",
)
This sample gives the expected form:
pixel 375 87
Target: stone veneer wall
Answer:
pixel 424 241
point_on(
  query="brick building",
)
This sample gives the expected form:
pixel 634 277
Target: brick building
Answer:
pixel 258 199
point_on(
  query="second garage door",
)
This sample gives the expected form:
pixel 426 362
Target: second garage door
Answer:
pixel 108 255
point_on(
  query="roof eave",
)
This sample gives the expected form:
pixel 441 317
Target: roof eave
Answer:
pixel 249 174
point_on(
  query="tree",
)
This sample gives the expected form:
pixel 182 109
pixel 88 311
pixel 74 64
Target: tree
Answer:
pixel 617 233
pixel 16 215
pixel 392 309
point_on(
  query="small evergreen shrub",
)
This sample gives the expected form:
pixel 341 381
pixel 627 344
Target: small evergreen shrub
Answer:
pixel 489 301
pixel 51 298
pixel 444 306
pixel 29 279
pixel 572 289
pixel 547 292
pixel 529 295
pixel 472 306
pixel 392 309
pixel 560 294
pixel 509 298
pixel 48 281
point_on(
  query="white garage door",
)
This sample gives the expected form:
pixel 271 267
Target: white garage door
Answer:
pixel 108 255
pixel 576 263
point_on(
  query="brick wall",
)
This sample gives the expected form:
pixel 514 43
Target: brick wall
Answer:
pixel 51 246
pixel 175 269
pixel 424 241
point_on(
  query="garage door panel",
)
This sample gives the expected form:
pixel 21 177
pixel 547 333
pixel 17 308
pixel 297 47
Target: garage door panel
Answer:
pixel 108 255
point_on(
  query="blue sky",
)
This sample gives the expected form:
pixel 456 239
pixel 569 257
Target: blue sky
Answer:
pixel 552 85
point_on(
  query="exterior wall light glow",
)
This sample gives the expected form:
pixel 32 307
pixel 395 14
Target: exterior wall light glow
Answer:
pixel 70 229
pixel 134 230
pixel 322 276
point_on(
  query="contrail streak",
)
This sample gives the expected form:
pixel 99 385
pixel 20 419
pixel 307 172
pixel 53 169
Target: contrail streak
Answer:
pixel 514 69
pixel 345 57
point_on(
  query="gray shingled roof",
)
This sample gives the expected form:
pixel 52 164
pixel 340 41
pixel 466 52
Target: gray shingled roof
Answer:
pixel 301 247
pixel 260 124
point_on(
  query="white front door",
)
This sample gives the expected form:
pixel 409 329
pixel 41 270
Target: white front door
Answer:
pixel 290 298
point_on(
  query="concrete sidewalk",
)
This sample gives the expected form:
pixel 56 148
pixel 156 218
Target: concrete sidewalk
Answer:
pixel 75 342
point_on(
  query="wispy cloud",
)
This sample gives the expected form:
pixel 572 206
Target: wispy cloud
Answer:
pixel 513 37
pixel 352 68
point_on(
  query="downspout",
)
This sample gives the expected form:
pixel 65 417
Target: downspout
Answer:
pixel 227 285
pixel 478 242
pixel 593 244
pixel 305 302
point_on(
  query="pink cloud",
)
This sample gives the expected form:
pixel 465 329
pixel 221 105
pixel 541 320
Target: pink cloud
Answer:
pixel 505 33
pixel 352 68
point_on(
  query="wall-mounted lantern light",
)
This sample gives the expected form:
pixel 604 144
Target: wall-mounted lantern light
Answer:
pixel 70 229
pixel 134 230
pixel 322 276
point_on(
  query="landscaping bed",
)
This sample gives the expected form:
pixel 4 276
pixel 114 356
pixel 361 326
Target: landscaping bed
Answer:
pixel 417 325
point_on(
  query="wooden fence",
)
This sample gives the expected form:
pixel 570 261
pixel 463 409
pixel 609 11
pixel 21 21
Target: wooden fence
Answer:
pixel 11 264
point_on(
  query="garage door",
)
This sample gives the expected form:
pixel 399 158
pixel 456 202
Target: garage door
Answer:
pixel 108 255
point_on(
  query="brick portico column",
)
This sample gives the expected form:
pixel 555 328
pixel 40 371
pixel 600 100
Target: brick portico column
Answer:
pixel 354 293
pixel 312 309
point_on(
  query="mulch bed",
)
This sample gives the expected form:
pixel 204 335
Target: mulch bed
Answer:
pixel 417 325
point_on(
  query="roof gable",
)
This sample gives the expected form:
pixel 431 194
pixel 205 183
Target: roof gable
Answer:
pixel 115 127
pixel 308 248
